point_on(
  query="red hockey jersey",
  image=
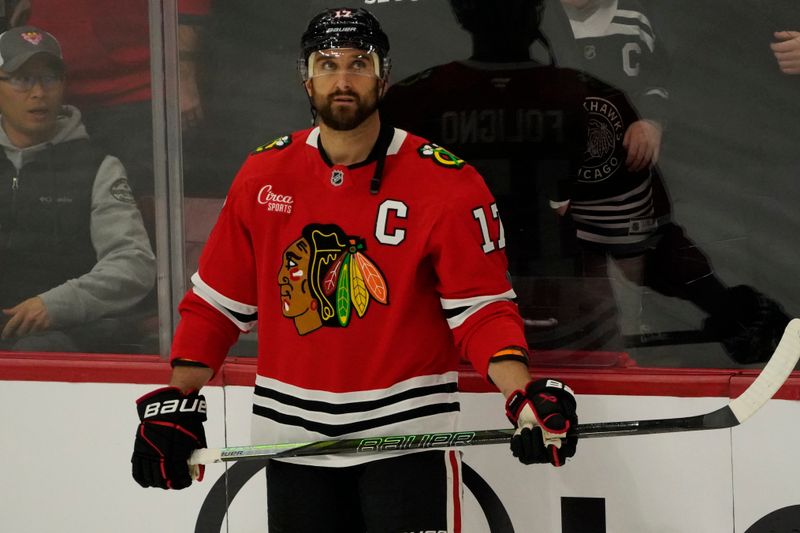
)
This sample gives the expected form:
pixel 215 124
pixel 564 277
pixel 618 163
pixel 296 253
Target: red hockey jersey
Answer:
pixel 364 303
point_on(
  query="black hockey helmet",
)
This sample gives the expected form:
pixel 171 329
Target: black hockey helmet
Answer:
pixel 345 27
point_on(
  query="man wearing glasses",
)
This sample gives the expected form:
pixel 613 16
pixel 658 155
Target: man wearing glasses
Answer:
pixel 73 246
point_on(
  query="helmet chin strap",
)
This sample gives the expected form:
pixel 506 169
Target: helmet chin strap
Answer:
pixel 312 109
pixel 377 176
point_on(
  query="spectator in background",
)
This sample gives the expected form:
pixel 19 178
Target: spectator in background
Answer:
pixel 107 45
pixel 786 49
pixel 73 246
pixel 521 122
pixel 616 43
pixel 618 201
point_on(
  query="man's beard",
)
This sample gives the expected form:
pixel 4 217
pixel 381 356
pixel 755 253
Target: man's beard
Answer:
pixel 345 118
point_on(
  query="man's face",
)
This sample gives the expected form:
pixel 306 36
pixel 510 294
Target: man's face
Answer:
pixel 293 279
pixel 30 110
pixel 343 87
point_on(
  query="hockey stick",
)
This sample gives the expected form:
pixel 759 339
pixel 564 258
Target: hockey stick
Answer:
pixel 670 338
pixel 737 411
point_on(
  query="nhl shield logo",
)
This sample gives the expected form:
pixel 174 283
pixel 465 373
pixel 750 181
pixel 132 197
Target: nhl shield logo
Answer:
pixel 337 178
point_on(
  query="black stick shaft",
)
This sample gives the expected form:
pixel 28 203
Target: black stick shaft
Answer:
pixel 463 438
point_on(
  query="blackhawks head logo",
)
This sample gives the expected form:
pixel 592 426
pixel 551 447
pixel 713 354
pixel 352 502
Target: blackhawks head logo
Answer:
pixel 325 277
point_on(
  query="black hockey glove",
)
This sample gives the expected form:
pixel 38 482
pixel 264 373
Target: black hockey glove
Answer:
pixel 543 413
pixel 171 429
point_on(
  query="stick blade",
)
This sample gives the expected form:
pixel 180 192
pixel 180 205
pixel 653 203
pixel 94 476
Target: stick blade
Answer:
pixel 773 376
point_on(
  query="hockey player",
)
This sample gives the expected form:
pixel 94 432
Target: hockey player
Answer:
pixel 616 43
pixel 523 124
pixel 619 202
pixel 539 131
pixel 617 199
pixel 370 260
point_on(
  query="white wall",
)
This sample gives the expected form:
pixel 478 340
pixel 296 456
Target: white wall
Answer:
pixel 66 466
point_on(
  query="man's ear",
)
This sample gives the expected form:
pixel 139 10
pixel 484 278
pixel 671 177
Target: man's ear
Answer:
pixel 307 85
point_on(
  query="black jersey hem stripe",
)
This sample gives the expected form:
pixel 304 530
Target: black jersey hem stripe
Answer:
pixel 614 211
pixel 636 193
pixel 599 219
pixel 354 407
pixel 337 430
pixel 609 225
pixel 620 215
pixel 612 223
pixel 605 232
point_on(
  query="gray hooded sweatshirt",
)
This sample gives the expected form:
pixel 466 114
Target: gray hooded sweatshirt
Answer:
pixel 125 270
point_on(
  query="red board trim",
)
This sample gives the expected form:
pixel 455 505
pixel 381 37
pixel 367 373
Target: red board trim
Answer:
pixel 614 377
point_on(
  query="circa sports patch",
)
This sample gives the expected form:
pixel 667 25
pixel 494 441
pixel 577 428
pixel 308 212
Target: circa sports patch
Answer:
pixel 122 192
pixel 279 143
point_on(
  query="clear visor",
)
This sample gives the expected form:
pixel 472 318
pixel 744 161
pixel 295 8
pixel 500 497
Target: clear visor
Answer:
pixel 349 61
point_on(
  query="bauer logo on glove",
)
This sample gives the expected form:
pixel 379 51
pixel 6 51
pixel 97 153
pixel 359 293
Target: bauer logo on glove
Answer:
pixel 196 404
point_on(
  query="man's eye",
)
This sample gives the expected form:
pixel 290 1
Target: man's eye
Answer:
pixel 328 65
pixel 290 263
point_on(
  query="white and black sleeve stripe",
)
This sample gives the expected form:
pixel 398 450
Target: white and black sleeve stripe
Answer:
pixel 459 310
pixel 244 316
